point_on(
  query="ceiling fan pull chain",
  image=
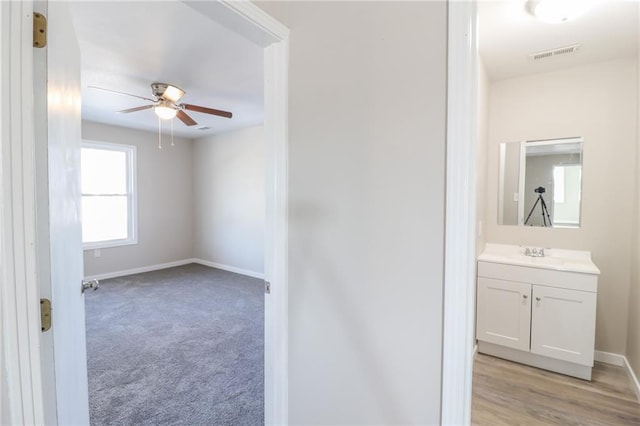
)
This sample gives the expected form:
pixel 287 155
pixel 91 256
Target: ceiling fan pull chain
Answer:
pixel 159 133
pixel 172 132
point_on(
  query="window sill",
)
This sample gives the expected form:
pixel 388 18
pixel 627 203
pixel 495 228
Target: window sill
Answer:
pixel 109 244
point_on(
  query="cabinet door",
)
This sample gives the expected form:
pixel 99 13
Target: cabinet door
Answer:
pixel 563 324
pixel 504 313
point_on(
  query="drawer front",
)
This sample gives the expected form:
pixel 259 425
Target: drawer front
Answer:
pixel 546 277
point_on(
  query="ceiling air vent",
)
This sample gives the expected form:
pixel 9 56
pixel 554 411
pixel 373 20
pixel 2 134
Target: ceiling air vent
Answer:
pixel 554 52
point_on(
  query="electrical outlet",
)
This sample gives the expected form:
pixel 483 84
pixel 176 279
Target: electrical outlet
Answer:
pixel 96 253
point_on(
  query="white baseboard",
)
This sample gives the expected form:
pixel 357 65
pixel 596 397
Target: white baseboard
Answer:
pixel 150 268
pixel 475 350
pixel 229 268
pixel 609 358
pixel 159 266
pixel 620 361
pixel 633 378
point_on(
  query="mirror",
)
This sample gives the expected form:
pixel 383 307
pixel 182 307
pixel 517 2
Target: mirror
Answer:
pixel 540 183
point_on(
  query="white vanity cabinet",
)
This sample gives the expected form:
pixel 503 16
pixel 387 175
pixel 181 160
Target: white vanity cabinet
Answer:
pixel 531 313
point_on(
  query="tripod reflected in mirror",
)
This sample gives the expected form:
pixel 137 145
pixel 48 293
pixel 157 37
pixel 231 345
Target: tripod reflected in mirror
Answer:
pixel 543 208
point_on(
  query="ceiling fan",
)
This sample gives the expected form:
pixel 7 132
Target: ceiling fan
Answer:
pixel 166 105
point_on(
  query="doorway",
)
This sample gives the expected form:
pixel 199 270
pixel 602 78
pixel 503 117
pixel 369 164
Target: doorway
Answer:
pixel 27 384
pixel 529 82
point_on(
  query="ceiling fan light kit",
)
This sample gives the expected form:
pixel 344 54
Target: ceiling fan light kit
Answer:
pixel 558 11
pixel 165 111
pixel 167 91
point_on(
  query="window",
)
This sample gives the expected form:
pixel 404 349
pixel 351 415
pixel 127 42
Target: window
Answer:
pixel 108 194
pixel 567 181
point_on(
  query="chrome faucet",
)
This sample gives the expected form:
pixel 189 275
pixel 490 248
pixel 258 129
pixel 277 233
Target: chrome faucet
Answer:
pixel 534 252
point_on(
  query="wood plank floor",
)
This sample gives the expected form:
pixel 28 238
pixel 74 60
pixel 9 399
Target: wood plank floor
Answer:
pixel 507 393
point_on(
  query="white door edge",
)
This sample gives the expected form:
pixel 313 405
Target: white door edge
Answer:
pixel 459 272
pixel 19 295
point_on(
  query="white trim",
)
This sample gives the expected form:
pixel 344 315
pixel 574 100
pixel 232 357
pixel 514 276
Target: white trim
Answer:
pixel 620 361
pixel 522 170
pixel 459 268
pixel 125 272
pixel 244 18
pixel 609 358
pixel 475 350
pixel 229 268
pixel 20 322
pixel 545 142
pixel 159 266
pixel 501 166
pixel 632 376
pixel 259 18
pixel 277 226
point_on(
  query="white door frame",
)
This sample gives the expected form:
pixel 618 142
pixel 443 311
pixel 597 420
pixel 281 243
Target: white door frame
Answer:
pixel 19 305
pixel 19 296
pixel 460 235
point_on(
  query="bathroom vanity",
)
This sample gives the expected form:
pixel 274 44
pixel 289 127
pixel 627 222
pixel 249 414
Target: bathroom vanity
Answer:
pixel 539 311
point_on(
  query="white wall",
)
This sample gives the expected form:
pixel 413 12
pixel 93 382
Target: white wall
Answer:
pixel 229 199
pixel 367 100
pixel 598 102
pixel 165 201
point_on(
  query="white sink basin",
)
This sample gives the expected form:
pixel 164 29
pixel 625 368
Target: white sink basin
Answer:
pixel 557 259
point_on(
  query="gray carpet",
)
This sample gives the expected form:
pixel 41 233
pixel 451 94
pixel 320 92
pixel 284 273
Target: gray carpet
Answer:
pixel 181 346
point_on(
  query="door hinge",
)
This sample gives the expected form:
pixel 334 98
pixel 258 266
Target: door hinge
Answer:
pixel 45 314
pixel 39 30
pixel 267 287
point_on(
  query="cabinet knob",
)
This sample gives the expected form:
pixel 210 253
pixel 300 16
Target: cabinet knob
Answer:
pixel 537 299
pixel 524 296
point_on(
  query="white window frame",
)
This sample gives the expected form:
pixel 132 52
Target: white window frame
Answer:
pixel 132 211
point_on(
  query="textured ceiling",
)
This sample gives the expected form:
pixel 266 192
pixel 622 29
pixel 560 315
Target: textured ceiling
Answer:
pixel 508 34
pixel 125 46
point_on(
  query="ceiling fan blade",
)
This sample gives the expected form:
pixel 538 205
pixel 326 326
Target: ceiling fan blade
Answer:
pixel 121 93
pixel 182 116
pixel 140 108
pixel 206 110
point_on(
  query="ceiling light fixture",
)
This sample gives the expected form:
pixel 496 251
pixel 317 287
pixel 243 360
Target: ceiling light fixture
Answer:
pixel 165 110
pixel 558 11
pixel 173 93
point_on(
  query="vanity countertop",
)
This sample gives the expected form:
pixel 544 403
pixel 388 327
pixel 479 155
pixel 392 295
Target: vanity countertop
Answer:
pixel 556 259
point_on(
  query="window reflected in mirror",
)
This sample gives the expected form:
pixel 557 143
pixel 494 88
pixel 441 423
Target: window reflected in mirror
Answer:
pixel 541 183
